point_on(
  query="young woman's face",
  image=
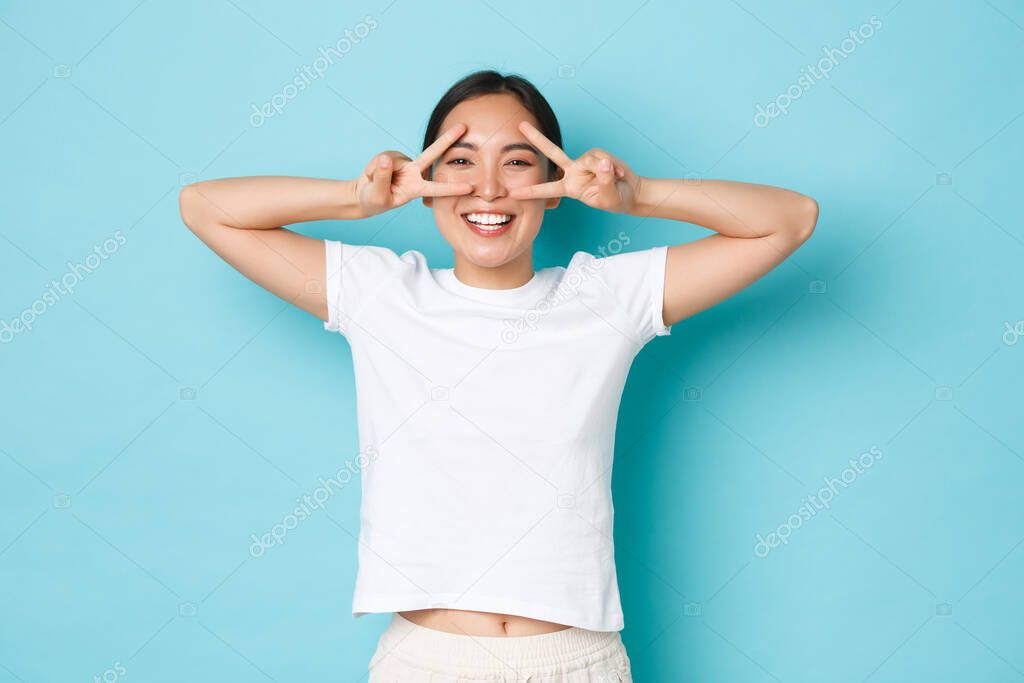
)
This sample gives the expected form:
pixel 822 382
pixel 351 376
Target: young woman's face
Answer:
pixel 493 156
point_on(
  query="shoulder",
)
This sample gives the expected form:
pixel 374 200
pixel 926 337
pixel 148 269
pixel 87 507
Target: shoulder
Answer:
pixel 369 256
pixel 358 275
pixel 617 270
pixel 627 283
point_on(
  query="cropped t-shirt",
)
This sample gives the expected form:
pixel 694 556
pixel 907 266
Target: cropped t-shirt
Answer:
pixel 486 422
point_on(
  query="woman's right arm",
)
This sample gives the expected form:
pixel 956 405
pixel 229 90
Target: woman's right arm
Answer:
pixel 240 219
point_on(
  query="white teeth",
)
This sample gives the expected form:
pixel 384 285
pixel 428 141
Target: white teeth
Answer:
pixel 488 218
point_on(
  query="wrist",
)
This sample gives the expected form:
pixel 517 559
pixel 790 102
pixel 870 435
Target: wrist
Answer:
pixel 641 197
pixel 348 206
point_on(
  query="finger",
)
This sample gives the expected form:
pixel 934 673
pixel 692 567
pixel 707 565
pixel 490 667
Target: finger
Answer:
pixel 546 147
pixel 371 166
pixel 431 188
pixel 605 172
pixel 395 156
pixel 555 188
pixel 617 164
pixel 381 185
pixel 443 142
pixel 590 162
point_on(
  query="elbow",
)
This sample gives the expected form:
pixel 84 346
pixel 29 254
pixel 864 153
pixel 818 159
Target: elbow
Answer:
pixel 805 217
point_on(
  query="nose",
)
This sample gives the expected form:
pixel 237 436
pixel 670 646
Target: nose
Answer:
pixel 488 184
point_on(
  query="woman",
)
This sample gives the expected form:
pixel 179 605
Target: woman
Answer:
pixel 488 392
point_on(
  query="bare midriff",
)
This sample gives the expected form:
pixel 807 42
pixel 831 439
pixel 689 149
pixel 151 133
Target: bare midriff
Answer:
pixel 470 623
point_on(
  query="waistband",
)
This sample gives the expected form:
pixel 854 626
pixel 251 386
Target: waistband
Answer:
pixel 442 650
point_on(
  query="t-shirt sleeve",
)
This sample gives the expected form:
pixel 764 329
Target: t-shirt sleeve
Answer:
pixel 636 281
pixel 354 274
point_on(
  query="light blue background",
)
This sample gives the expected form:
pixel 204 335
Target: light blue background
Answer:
pixel 127 506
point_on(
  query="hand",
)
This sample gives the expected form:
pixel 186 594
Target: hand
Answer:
pixel 391 178
pixel 597 178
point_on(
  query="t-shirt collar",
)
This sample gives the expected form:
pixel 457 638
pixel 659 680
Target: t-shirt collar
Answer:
pixel 528 292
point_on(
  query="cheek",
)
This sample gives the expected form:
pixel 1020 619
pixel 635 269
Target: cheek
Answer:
pixel 447 174
pixel 444 203
pixel 525 178
pixel 439 174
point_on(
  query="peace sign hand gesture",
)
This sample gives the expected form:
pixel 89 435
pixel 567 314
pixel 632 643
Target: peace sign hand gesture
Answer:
pixel 392 179
pixel 597 178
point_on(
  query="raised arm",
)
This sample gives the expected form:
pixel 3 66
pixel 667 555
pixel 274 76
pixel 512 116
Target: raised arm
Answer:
pixel 757 226
pixel 242 219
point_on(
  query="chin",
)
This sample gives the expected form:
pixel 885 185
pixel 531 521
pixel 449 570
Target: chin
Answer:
pixel 487 252
pixel 488 256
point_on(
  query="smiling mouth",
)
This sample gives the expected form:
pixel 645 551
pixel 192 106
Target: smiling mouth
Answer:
pixel 489 224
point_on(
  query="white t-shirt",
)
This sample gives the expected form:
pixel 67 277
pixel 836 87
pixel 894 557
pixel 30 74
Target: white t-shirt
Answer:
pixel 486 428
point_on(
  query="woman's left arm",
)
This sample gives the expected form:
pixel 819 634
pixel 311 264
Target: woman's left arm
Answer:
pixel 757 227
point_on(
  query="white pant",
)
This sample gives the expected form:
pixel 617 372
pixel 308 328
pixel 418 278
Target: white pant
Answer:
pixel 410 653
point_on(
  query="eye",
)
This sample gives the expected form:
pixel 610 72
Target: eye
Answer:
pixel 462 161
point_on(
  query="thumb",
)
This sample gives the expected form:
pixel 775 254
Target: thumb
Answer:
pixel 380 189
pixel 605 173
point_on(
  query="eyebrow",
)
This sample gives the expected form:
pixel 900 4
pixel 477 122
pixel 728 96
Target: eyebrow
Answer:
pixel 507 148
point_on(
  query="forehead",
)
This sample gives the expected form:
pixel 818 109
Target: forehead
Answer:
pixel 491 120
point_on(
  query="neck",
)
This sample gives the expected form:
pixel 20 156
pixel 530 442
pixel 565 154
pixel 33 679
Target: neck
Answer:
pixel 515 273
